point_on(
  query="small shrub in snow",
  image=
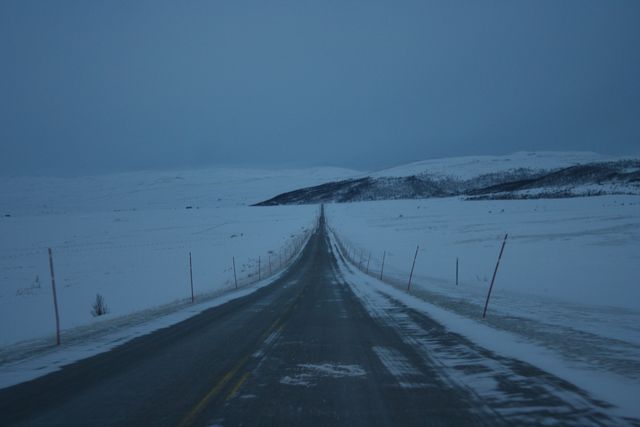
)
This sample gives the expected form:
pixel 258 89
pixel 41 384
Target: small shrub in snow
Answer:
pixel 99 307
pixel 35 288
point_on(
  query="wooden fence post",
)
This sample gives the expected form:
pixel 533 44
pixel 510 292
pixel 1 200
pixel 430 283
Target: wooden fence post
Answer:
pixel 412 267
pixel 456 271
pixel 55 297
pixel 384 255
pixel 191 276
pixel 368 261
pixel 259 274
pixel 484 312
pixel 235 277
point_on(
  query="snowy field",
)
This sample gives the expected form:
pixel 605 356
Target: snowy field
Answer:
pixel 567 282
pixel 469 167
pixel 128 237
pixel 482 362
pixel 566 297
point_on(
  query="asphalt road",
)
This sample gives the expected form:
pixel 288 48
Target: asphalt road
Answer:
pixel 302 351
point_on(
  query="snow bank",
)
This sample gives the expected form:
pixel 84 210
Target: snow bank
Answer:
pixel 617 388
pixel 579 250
pixel 567 280
pixel 128 237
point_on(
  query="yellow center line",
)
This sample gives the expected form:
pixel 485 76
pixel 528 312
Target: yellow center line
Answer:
pixel 191 416
pixel 235 388
pixel 212 393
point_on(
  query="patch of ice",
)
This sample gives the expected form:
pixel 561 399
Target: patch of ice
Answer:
pixel 309 373
pixel 298 380
pixel 334 370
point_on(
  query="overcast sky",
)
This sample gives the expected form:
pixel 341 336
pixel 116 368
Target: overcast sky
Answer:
pixel 99 86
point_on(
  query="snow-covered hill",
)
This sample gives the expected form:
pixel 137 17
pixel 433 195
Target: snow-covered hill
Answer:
pixel 469 167
pixel 518 176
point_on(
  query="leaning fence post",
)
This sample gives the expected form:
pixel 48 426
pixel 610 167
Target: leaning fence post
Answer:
pixel 191 275
pixel 55 297
pixel 456 271
pixel 235 277
pixel 484 313
pixel 384 254
pixel 412 267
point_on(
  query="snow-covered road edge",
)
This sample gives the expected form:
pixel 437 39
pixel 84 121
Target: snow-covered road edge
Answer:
pixel 616 390
pixel 19 370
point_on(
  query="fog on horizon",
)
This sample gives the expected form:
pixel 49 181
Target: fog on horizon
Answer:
pixel 93 87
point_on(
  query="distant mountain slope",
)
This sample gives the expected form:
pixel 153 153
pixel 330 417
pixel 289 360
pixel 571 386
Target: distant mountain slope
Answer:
pixel 468 167
pixel 522 175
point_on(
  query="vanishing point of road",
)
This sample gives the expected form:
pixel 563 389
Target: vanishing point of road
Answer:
pixel 301 351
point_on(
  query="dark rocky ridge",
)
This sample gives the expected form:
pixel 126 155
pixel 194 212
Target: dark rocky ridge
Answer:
pixel 619 177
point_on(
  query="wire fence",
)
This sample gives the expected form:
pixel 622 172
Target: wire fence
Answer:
pixel 378 267
pixel 200 283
